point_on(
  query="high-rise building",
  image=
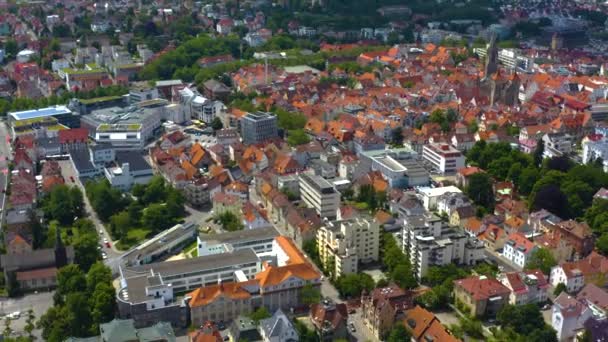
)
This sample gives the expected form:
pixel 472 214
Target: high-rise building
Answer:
pixel 320 195
pixel 257 127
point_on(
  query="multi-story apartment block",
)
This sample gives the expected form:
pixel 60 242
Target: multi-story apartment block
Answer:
pixel 518 249
pixel 258 127
pixel 347 243
pixel 443 157
pixel 557 144
pixel 320 195
pixel 430 242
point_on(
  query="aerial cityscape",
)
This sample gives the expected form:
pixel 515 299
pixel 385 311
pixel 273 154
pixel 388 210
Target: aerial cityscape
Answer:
pixel 304 170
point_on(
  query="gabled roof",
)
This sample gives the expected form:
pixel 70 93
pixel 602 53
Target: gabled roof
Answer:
pixel 481 287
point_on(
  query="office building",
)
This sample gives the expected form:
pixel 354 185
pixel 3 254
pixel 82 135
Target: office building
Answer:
pixel 258 127
pixel 124 128
pixel 443 158
pixel 348 243
pixel 63 115
pixel 431 242
pixel 320 195
pixel 128 168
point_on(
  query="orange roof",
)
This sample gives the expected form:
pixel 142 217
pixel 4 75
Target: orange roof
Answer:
pixel 205 295
pixel 189 168
pixel 294 254
pixel 425 326
pixel 276 275
pixel 380 185
pixel 382 216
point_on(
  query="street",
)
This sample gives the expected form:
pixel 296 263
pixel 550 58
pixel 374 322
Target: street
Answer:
pixel 114 255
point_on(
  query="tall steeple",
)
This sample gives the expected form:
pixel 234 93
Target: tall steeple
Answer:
pixel 61 256
pixel 491 57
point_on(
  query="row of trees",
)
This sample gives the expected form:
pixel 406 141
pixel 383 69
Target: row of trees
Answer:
pixel 82 301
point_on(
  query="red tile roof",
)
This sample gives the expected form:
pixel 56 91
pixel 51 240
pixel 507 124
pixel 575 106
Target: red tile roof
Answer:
pixel 482 288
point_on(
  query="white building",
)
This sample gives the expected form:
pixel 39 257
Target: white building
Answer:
pixel 320 195
pixel 129 168
pixel 196 106
pixel 348 243
pixel 430 196
pixel 518 249
pixel 526 287
pixel 443 157
pixel 25 56
pixel 594 149
pixel 568 316
pixel 557 144
pixel 430 242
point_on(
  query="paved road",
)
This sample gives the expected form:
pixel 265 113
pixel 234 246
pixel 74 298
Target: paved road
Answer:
pixel 507 267
pixel 113 253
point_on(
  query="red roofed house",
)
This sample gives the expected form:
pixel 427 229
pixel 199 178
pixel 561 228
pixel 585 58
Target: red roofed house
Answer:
pixel 329 320
pixel 526 287
pixel 518 249
pixel 592 269
pixel 462 177
pixel 482 295
pixel 381 306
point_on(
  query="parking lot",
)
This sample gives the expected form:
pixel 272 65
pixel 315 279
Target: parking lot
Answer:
pixel 38 302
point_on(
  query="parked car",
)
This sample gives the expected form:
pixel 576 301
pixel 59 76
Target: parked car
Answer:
pixel 108 245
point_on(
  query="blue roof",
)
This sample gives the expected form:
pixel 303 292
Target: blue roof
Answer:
pixel 39 113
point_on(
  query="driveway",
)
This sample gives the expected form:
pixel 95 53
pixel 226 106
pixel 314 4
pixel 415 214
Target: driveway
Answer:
pixel 362 332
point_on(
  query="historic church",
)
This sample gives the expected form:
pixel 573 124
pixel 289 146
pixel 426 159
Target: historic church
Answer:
pixel 498 86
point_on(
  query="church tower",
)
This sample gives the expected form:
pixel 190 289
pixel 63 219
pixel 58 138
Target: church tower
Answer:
pixel 491 57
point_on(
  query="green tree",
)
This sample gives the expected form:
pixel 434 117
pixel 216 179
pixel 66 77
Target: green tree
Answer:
pixel 480 189
pixel 602 244
pixel 120 224
pixel 30 324
pixel 79 313
pixel 309 295
pixel 399 334
pixel 229 221
pixel 541 259
pixel 70 279
pixel 156 217
pixel 561 287
pixel 404 277
pixel 259 314
pixel 98 274
pixel 8 331
pixel 524 319
pixel 351 285
pixel 103 305
pixel 217 124
pixel 538 152
pixel 297 137
pixel 85 250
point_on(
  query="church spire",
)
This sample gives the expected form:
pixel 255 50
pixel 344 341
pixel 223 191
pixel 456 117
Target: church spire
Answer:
pixel 491 65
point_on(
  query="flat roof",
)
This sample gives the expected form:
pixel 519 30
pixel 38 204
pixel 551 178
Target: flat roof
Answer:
pixel 208 262
pixel 241 235
pixel 390 163
pixel 318 183
pixel 40 112
pixel 432 192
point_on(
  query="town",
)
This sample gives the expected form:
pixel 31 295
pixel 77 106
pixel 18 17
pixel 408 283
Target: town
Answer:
pixel 303 170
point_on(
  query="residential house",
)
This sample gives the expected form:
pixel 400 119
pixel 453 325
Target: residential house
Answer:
pixel 329 320
pixel 568 316
pixel 493 237
pixel 591 270
pixel 425 326
pixel 483 296
pixel 380 308
pixel 463 174
pixel 278 328
pixel 526 287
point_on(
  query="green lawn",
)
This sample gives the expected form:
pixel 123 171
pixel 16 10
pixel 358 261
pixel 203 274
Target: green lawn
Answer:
pixel 135 236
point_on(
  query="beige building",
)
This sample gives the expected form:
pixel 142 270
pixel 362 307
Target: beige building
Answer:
pixel 346 243
pixel 320 195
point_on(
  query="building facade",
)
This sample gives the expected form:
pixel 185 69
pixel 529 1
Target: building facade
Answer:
pixel 258 127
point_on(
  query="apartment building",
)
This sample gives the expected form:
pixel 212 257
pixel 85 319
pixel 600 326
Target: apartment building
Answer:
pixel 380 308
pixel 258 127
pixel 195 106
pixel 443 157
pixel 430 242
pixel 557 144
pixel 518 249
pixel 320 195
pixel 347 243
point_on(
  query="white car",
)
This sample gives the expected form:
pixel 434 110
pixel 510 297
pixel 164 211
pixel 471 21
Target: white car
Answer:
pixel 101 232
pixel 105 240
pixel 104 255
pixel 14 315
